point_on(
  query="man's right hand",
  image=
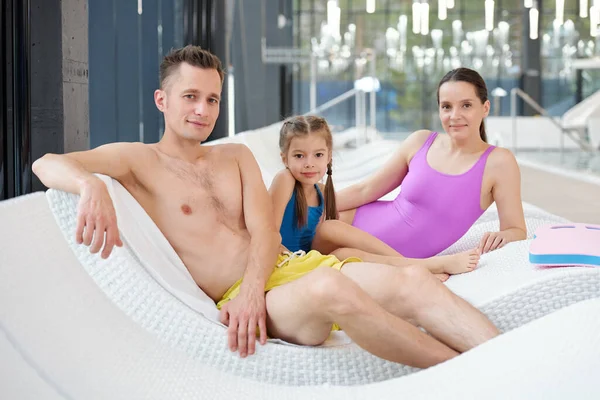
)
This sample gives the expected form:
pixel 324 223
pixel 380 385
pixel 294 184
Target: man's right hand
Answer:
pixel 96 219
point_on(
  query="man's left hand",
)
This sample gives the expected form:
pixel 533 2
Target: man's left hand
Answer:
pixel 242 315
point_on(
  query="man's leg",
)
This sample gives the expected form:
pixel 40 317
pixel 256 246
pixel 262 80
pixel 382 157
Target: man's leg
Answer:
pixel 414 294
pixel 303 311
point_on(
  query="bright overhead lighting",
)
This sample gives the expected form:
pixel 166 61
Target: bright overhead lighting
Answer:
pixel 489 15
pixel 370 6
pixel 583 8
pixel 416 17
pixel 534 15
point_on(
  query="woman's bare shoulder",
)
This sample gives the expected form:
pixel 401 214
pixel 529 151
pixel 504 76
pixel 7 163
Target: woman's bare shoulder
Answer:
pixel 501 157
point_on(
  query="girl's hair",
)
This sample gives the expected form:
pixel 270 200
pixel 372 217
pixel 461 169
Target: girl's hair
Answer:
pixel 469 76
pixel 299 126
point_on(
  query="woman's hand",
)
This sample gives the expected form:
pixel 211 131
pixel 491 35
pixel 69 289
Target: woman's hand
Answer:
pixel 492 241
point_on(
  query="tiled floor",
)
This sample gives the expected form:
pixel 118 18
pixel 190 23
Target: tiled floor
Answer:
pixel 576 200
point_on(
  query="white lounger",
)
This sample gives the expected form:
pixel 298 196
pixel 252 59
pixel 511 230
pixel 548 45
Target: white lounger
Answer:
pixel 64 335
pixel 77 327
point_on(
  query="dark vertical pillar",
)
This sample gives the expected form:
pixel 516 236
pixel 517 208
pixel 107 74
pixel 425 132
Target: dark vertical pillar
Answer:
pixel 286 79
pixel 578 86
pixel 285 91
pixel 170 22
pixel 47 102
pixel 128 122
pixel 43 86
pixel 126 48
pixel 21 96
pixel 210 34
pixel 4 102
pixel 256 81
pixel 149 69
pixel 103 72
pixel 531 68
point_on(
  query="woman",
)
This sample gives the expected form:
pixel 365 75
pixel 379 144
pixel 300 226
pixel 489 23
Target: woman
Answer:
pixel 447 182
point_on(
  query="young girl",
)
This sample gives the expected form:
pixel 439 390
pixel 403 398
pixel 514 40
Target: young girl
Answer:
pixel 303 205
pixel 300 201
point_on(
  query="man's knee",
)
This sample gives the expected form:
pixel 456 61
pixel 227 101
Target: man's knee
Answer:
pixel 331 291
pixel 412 282
pixel 324 281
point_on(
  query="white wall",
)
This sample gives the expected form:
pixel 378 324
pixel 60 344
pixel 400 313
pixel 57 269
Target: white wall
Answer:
pixel 531 133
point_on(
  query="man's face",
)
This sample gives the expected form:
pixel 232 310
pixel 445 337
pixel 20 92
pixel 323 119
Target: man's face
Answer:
pixel 190 102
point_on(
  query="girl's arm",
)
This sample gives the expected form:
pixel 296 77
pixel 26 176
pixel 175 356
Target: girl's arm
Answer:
pixel 386 179
pixel 281 191
pixel 506 192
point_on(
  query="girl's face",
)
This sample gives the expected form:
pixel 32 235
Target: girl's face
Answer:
pixel 461 111
pixel 307 158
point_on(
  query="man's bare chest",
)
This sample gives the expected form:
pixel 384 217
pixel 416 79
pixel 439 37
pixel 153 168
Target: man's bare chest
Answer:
pixel 207 190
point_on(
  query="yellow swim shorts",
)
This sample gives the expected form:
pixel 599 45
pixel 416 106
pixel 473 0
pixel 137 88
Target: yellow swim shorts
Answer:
pixel 291 266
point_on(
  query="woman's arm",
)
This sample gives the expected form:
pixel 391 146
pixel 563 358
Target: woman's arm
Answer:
pixel 386 179
pixel 281 191
pixel 506 192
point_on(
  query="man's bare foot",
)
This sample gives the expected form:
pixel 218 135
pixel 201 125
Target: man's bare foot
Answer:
pixel 454 263
pixel 442 277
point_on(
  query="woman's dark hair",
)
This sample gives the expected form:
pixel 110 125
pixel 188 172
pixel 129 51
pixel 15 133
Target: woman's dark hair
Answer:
pixel 299 126
pixel 472 77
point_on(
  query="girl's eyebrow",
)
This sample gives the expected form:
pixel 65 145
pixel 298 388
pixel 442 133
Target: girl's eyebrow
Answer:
pixel 302 151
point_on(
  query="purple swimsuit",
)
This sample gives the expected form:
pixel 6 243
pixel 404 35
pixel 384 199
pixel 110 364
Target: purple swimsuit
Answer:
pixel 432 211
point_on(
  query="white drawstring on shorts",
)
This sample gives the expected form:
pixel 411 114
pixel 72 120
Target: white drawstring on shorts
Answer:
pixel 290 256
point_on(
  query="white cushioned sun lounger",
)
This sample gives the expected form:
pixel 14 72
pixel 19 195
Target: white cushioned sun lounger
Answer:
pixel 73 326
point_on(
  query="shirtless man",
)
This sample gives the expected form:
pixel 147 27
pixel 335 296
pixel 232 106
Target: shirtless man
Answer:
pixel 210 202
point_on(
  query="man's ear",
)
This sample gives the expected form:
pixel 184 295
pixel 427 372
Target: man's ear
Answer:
pixel 160 99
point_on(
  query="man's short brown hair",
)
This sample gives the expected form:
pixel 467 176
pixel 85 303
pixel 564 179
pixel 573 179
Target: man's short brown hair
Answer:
pixel 192 55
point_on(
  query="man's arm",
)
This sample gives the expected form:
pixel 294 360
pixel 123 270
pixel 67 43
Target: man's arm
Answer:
pixel 74 173
pixel 71 172
pixel 248 309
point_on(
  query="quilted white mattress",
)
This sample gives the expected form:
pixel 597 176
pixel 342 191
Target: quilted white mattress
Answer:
pixel 506 287
pixel 78 327
pixel 69 334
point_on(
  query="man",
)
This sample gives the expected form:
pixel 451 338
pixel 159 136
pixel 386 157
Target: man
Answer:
pixel 211 204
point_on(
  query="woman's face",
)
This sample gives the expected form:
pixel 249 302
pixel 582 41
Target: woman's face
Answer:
pixel 461 111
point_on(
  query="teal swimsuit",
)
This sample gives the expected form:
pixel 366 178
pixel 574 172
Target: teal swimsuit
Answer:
pixel 294 238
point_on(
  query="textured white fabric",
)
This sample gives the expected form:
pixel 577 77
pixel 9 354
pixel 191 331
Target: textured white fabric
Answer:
pixel 506 287
pixel 153 251
pixel 75 326
pixel 61 337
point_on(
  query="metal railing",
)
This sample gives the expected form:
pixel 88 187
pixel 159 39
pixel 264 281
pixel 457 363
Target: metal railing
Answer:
pixel 584 145
pixel 360 112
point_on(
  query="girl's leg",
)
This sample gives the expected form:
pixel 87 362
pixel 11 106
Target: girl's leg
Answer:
pixel 347 216
pixel 334 235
